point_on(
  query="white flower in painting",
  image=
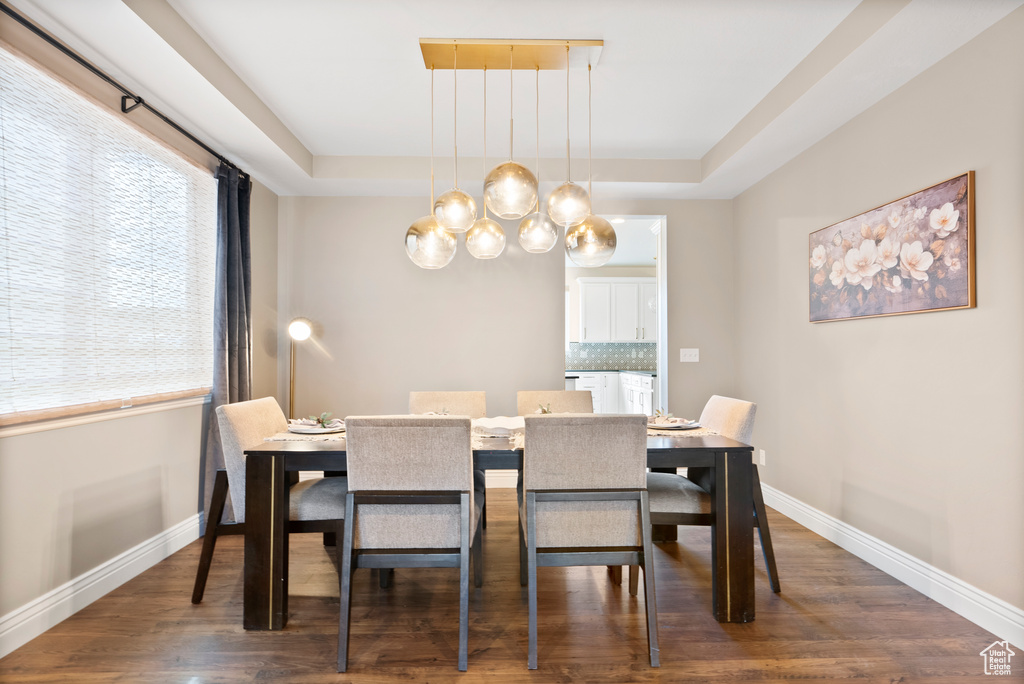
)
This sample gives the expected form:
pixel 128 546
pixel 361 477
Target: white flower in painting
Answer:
pixel 944 220
pixel 838 274
pixel 888 252
pixel 818 257
pixel 952 263
pixel 894 218
pixel 862 264
pixel 920 212
pixel 897 285
pixel 915 260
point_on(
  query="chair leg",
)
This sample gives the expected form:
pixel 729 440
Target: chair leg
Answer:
pixel 387 577
pixel 761 519
pixel 345 580
pixel 615 573
pixel 634 579
pixel 483 515
pixel 476 550
pixel 531 562
pixel 522 553
pixel 465 536
pixel 217 500
pixel 650 601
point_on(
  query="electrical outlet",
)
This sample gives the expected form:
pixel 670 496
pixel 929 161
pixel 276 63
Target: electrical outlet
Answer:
pixel 761 455
pixel 689 355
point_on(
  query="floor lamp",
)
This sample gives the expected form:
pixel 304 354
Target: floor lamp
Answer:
pixel 298 330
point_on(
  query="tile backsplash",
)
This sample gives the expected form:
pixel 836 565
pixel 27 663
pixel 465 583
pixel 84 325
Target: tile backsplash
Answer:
pixel 642 356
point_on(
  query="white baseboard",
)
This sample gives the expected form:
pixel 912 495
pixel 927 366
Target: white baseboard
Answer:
pixel 986 611
pixel 502 479
pixel 29 621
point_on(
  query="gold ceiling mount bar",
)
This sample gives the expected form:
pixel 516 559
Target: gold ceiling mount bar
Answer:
pixel 480 53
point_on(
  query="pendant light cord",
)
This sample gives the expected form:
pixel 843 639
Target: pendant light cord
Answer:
pixel 431 139
pixel 455 114
pixel 485 136
pixel 511 49
pixel 537 100
pixel 590 139
pixel 568 172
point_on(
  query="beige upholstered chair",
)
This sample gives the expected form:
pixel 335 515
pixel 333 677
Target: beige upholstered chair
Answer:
pixel 410 504
pixel 678 500
pixel 472 404
pixel 585 502
pixel 559 401
pixel 316 505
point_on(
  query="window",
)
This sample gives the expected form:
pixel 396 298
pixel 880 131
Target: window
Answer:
pixel 107 254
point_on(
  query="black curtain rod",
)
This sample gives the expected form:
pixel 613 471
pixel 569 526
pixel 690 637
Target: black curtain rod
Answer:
pixel 126 94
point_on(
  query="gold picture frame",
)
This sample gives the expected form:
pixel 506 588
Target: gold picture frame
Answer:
pixel 912 255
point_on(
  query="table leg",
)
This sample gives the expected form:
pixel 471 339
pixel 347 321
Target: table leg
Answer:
pixel 732 543
pixel 265 588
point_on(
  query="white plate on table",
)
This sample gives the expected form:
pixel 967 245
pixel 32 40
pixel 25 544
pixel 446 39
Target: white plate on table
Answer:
pixel 681 425
pixel 314 430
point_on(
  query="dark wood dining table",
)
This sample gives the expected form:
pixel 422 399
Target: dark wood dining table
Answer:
pixel 265 589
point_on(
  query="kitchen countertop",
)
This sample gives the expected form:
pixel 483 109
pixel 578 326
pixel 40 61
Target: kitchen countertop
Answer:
pixel 652 374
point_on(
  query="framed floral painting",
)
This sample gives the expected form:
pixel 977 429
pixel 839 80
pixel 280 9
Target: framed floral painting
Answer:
pixel 912 255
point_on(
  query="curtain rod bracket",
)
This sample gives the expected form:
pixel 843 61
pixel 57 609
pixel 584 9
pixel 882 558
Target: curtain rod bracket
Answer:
pixel 124 103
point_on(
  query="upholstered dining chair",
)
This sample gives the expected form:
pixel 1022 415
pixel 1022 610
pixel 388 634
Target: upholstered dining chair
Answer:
pixel 410 503
pixel 557 401
pixel 585 502
pixel 686 500
pixel 472 404
pixel 315 505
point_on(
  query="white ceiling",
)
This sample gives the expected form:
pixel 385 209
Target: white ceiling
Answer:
pixel 692 98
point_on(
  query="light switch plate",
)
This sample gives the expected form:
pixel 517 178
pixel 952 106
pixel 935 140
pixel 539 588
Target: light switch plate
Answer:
pixel 689 355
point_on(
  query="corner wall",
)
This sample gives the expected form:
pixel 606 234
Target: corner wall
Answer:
pixel 908 428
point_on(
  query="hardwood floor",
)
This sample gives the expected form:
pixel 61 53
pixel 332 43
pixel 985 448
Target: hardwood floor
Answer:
pixel 837 618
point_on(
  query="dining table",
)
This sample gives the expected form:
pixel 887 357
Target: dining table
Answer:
pixel 271 467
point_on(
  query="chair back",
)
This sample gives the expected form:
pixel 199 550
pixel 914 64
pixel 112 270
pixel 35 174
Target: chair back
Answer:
pixel 242 425
pixel 560 401
pixel 408 454
pixel 732 418
pixel 472 404
pixel 586 452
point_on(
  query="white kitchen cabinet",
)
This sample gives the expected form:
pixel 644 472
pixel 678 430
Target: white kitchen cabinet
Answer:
pixel 637 393
pixel 604 387
pixel 618 310
pixel 595 312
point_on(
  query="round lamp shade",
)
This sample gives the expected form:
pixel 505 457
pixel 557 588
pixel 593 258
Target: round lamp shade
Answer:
pixel 569 204
pixel 510 190
pixel 300 329
pixel 455 211
pixel 591 243
pixel 428 244
pixel 486 239
pixel 538 233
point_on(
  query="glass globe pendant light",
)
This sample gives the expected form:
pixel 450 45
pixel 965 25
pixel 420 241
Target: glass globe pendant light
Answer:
pixel 569 204
pixel 455 210
pixel 486 239
pixel 592 242
pixel 426 242
pixel 510 189
pixel 537 232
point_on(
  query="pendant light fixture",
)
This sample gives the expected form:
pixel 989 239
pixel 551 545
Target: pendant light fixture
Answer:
pixel 486 239
pixel 510 189
pixel 537 232
pixel 569 204
pixel 455 210
pixel 428 244
pixel 592 242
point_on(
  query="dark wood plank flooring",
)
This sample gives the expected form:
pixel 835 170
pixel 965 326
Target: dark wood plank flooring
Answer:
pixel 837 618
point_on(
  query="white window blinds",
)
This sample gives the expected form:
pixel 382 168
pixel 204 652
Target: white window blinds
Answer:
pixel 107 254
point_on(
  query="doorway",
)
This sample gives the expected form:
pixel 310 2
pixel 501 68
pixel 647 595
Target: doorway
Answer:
pixel 610 347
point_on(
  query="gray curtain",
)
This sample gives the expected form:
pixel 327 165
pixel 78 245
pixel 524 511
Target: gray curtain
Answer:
pixel 232 329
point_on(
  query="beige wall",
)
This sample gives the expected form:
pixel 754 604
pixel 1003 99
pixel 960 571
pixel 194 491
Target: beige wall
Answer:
pixel 910 427
pixel 76 497
pixel 385 327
